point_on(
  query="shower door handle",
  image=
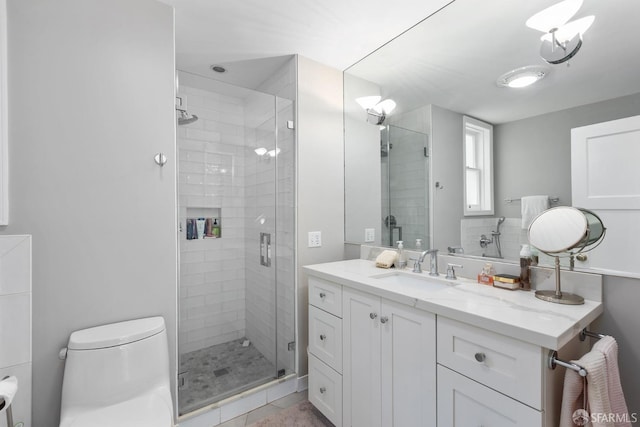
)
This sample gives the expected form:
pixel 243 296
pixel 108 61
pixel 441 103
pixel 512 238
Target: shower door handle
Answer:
pixel 265 249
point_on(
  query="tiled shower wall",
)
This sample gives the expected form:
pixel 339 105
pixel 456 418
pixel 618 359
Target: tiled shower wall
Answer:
pixel 211 157
pixel 512 236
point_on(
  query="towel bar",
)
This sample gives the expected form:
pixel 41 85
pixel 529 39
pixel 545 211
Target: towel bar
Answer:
pixel 584 334
pixel 553 361
pixel 551 200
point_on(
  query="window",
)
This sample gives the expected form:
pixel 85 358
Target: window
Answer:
pixel 478 167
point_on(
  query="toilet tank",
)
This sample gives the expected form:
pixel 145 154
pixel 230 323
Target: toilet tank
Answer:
pixel 116 362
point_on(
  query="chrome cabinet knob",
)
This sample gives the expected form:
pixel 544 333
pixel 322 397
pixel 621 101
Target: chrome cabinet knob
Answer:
pixel 322 295
pixel 373 315
pixel 480 357
pixel 384 319
pixel 323 337
pixel 322 390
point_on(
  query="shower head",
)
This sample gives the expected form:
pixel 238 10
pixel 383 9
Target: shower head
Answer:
pixel 185 118
pixel 501 220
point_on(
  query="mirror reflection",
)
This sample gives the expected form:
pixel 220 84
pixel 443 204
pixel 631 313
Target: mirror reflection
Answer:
pixel 461 62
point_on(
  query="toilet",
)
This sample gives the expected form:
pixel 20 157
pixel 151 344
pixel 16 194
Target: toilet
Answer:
pixel 117 375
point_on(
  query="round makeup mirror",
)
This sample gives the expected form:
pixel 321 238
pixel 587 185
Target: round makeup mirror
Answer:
pixel 564 231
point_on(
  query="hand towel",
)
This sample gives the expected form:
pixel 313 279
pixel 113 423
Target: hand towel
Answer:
pixel 386 259
pixel 531 207
pixel 609 349
pixel 8 389
pixel 596 391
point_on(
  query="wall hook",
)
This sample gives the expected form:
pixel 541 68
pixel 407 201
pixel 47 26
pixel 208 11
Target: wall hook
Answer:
pixel 160 159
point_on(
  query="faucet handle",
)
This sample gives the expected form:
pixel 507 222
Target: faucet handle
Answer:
pixel 417 268
pixel 451 273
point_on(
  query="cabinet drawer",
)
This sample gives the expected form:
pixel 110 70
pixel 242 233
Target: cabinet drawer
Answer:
pixel 463 402
pixel 325 295
pixel 325 390
pixel 505 364
pixel 325 337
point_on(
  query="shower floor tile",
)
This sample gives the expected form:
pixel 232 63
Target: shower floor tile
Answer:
pixel 220 371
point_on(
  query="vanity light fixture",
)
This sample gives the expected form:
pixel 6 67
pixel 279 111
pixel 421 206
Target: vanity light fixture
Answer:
pixel 376 110
pixel 562 39
pixel 522 77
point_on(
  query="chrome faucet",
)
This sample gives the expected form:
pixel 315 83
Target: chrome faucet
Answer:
pixel 433 262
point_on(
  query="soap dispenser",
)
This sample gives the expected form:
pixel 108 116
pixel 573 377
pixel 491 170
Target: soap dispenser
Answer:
pixel 402 256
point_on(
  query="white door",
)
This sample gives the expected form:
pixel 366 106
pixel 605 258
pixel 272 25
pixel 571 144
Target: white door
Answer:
pixel 408 366
pixel 463 402
pixel 604 178
pixel 361 360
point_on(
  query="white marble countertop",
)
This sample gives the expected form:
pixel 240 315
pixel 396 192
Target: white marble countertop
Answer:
pixel 518 314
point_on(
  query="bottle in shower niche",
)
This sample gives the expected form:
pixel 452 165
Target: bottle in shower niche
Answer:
pixel 525 268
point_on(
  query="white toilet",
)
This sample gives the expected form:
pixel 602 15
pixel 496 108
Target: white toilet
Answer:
pixel 118 375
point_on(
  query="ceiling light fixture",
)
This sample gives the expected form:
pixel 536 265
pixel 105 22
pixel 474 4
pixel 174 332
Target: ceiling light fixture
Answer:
pixel 376 110
pixel 562 39
pixel 522 77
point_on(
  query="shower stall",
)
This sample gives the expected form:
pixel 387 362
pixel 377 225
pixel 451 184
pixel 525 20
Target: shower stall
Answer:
pixel 404 160
pixel 236 212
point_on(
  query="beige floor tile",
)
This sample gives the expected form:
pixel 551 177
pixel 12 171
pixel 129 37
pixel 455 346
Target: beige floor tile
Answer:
pixel 262 412
pixel 240 421
pixel 290 400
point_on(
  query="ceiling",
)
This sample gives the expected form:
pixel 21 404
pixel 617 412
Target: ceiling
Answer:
pixel 454 58
pixel 451 59
pixel 252 37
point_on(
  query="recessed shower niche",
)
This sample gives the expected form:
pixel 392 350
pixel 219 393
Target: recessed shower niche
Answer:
pixel 202 223
pixel 235 186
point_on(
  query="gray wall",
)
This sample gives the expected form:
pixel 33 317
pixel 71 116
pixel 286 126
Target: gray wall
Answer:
pixel 446 168
pixel 91 87
pixel 320 183
pixel 533 156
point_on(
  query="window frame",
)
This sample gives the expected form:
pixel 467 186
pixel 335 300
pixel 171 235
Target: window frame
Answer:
pixel 483 140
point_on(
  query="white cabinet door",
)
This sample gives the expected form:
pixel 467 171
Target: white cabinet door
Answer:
pixel 361 361
pixel 463 403
pixel 604 178
pixel 408 366
pixel 604 171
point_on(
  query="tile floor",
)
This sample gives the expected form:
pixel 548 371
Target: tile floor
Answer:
pixel 217 372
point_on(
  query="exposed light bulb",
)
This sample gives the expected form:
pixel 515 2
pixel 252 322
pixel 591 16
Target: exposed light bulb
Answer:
pixel 367 102
pixel 554 16
pixel 386 106
pixel 260 151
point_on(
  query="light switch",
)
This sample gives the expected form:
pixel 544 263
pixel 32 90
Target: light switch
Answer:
pixel 315 239
pixel 369 235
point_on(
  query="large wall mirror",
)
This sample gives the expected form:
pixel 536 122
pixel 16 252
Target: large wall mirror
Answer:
pixel 406 174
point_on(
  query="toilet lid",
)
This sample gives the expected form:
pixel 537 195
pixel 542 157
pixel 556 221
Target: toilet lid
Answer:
pixel 145 411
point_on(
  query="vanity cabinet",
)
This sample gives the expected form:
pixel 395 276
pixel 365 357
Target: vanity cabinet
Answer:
pixel 463 402
pixel 486 378
pixel 376 360
pixel 325 348
pixel 389 375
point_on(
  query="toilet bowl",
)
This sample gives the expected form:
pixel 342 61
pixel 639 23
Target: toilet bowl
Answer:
pixel 118 375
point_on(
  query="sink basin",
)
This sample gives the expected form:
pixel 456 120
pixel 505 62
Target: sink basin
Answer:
pixel 416 281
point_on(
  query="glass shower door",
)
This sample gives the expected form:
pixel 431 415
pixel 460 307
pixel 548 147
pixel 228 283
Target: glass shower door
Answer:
pixel 236 284
pixel 405 190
